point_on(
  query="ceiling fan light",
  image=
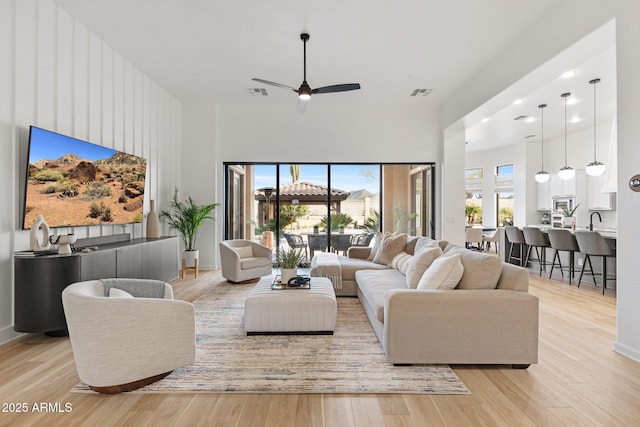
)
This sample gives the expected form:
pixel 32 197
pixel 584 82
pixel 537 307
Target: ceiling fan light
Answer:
pixel 567 172
pixel 595 168
pixel 542 177
pixel 304 96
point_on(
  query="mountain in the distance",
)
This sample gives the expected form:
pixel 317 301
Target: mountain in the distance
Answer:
pixel 66 160
pixel 120 158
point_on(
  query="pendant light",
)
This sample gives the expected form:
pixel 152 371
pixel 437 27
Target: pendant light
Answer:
pixel 566 172
pixel 595 168
pixel 542 176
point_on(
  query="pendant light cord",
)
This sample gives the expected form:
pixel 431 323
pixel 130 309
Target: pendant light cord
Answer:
pixel 565 96
pixel 542 106
pixel 594 118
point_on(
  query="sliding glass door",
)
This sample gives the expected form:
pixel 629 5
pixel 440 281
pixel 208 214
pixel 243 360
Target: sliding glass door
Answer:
pixel 324 207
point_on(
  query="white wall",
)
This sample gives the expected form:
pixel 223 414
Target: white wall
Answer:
pixel 200 175
pixel 327 132
pixel 628 271
pixel 569 21
pixel 58 75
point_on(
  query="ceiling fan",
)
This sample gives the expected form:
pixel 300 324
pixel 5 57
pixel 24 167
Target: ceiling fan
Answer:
pixel 304 91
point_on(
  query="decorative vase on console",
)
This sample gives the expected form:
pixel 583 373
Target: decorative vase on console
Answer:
pixel 36 243
pixel 153 222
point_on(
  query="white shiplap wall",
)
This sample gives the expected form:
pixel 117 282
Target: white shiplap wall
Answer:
pixel 58 75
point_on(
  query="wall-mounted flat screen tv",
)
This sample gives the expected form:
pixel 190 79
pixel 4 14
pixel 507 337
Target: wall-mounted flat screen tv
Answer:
pixel 74 183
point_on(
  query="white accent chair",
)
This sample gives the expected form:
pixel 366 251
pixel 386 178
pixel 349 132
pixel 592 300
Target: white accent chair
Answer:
pixel 124 342
pixel 244 260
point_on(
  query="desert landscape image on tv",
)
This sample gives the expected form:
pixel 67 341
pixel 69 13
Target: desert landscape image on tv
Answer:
pixel 73 182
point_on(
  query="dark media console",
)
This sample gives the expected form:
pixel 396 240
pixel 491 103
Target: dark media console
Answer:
pixel 40 279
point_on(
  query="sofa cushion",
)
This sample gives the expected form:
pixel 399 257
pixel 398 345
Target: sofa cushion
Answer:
pixel 481 271
pixel 391 246
pixel 424 242
pixel 444 273
pixel 377 242
pixel 401 262
pixel 373 285
pixel 410 246
pixel 253 262
pixel 351 265
pixel 119 293
pixel 244 251
pixel 419 264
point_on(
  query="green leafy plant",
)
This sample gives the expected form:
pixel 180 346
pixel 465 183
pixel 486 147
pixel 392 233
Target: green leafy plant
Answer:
pixel 569 212
pixel 289 258
pixel 338 220
pixel 186 217
pixel 372 223
pixel 472 212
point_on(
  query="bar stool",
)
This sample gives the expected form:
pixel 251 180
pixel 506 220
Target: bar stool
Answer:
pixel 563 240
pixel 534 238
pixel 591 243
pixel 515 237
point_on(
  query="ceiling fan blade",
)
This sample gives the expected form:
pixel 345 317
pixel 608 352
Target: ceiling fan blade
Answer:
pixel 337 88
pixel 302 106
pixel 267 82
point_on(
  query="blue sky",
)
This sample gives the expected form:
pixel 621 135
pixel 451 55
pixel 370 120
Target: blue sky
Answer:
pixel 49 145
pixel 343 177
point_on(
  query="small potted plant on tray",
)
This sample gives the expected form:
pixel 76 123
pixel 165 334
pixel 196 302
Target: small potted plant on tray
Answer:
pixel 569 219
pixel 288 260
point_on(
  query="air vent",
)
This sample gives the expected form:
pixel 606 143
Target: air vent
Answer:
pixel 257 92
pixel 421 92
pixel 529 136
pixel 521 118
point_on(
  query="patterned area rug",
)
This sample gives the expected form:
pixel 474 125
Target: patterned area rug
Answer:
pixel 350 361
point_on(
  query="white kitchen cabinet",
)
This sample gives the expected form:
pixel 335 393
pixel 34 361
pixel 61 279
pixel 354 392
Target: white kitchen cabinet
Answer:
pixel 597 199
pixel 544 197
pixel 560 187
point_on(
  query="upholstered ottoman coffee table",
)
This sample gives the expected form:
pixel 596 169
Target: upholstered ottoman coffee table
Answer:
pixel 291 311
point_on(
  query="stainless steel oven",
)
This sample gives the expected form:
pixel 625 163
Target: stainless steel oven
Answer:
pixel 563 202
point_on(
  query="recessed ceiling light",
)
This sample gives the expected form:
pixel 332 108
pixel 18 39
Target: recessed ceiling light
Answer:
pixel 530 120
pixel 485 120
pixel 568 74
pixel 518 101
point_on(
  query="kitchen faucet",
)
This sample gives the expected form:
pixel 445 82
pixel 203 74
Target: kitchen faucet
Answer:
pixel 591 219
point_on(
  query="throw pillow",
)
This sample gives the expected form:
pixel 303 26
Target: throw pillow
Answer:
pixel 444 273
pixel 377 242
pixel 419 264
pixel 401 262
pixel 119 293
pixel 410 247
pixel 244 251
pixel 391 246
pixel 481 271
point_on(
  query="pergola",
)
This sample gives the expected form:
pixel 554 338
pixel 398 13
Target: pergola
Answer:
pixel 299 193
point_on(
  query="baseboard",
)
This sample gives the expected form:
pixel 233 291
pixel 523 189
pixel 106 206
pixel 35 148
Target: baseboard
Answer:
pixel 626 351
pixel 8 334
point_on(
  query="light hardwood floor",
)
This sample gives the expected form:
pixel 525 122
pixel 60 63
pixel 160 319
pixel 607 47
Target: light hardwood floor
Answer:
pixel 579 381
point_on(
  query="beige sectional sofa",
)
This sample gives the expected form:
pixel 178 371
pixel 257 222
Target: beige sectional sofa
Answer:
pixel 489 318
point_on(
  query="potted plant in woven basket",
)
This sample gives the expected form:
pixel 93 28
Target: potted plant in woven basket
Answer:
pixel 288 260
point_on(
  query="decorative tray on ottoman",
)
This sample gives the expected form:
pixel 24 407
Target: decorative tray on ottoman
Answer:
pixel 277 285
